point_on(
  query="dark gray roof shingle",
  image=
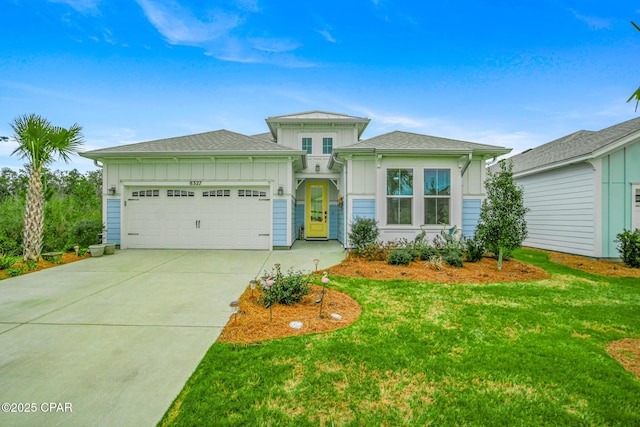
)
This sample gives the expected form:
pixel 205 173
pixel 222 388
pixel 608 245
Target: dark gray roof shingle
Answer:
pixel 574 146
pixel 407 141
pixel 216 142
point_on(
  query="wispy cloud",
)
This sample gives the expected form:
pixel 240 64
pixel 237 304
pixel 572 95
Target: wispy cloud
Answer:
pixel 82 6
pixel 326 33
pixel 594 22
pixel 220 32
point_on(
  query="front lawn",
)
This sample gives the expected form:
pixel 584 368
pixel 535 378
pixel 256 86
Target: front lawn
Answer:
pixel 530 353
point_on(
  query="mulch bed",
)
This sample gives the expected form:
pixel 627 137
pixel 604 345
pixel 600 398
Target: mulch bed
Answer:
pixel 255 323
pixel 42 264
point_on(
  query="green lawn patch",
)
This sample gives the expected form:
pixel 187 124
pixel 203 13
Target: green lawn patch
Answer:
pixel 437 354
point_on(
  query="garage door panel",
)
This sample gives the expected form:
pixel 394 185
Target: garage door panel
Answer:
pixel 220 220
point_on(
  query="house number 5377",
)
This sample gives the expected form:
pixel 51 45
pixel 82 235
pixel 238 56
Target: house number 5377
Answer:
pixel 195 182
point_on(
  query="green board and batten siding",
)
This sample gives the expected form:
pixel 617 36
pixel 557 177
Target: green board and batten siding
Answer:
pixel 620 170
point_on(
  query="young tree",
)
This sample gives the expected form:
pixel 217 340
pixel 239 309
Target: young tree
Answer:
pixel 502 227
pixel 40 143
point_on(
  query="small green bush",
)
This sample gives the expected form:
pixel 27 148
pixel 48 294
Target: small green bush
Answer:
pixel 400 257
pixel 287 289
pixel 452 256
pixel 86 232
pixel 7 262
pixel 629 247
pixel 425 251
pixel 15 271
pixel 474 250
pixel 364 231
pixel 375 251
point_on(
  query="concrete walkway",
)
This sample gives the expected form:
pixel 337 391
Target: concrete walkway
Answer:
pixel 112 340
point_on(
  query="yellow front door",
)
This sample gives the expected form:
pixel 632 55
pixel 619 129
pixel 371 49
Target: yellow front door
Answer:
pixel 317 210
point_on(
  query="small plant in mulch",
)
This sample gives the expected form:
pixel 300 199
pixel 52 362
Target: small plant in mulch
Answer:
pixel 286 289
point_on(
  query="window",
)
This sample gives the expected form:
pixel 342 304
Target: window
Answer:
pixel 327 145
pixel 399 196
pixel 437 196
pixel 216 193
pixel 146 193
pixel 180 193
pixel 251 193
pixel 307 143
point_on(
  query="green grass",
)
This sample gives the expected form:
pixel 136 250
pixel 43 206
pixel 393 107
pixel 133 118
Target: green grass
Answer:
pixel 437 354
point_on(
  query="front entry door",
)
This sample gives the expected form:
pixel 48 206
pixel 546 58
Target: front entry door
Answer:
pixel 317 210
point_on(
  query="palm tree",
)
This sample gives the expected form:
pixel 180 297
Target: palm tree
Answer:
pixel 40 143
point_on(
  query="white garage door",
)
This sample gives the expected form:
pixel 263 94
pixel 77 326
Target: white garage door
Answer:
pixel 202 218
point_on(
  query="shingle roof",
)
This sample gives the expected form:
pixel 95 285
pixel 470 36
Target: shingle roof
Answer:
pixel 398 141
pixel 218 142
pixel 574 146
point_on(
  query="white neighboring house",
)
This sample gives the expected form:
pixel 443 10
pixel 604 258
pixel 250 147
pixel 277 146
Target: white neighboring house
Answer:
pixel 308 178
pixel 582 190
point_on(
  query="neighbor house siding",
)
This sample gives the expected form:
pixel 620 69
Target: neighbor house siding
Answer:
pixel 562 209
pixel 619 172
pixel 113 221
pixel 470 216
pixel 280 222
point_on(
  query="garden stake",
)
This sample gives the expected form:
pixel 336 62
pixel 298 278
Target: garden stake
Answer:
pixel 325 280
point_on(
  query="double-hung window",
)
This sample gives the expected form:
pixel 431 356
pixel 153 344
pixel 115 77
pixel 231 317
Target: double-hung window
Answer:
pixel 399 196
pixel 307 143
pixel 437 196
pixel 327 145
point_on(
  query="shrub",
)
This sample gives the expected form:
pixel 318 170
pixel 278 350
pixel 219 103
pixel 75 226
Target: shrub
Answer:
pixel 86 232
pixel 453 256
pixel 375 251
pixel 425 251
pixel 400 257
pixel 7 262
pixel 287 289
pixel 15 271
pixel 629 247
pixel 474 250
pixel 364 231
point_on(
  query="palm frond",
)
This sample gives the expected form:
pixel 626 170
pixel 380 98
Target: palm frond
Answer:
pixel 636 96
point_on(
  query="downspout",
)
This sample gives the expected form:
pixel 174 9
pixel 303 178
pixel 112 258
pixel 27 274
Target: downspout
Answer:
pixel 95 162
pixel 466 165
pixel 345 202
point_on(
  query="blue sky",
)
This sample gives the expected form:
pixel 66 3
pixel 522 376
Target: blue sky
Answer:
pixel 504 72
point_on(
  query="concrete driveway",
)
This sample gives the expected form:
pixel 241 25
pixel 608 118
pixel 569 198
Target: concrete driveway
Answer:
pixel 112 340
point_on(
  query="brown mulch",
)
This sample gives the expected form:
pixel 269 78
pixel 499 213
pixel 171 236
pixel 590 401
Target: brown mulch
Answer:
pixel 627 352
pixel 255 323
pixel 42 264
pixel 484 271
pixel 604 268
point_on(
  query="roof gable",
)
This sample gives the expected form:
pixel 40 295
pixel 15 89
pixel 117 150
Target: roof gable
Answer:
pixel 578 146
pixel 316 117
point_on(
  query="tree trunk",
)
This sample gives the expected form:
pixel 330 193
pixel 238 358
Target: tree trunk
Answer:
pixel 33 217
pixel 500 259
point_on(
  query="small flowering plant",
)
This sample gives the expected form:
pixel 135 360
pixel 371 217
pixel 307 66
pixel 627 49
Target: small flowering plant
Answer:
pixel 282 288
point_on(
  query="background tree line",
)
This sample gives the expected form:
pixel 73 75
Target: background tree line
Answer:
pixel 72 208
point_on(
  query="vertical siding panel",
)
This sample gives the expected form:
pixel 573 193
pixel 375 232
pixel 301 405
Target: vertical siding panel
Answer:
pixel 363 208
pixel 333 222
pixel 470 216
pixel 280 222
pixel 113 221
pixel 299 219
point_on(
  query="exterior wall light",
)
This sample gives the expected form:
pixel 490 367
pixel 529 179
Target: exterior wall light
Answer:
pixel 317 167
pixel 111 191
pixel 280 191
